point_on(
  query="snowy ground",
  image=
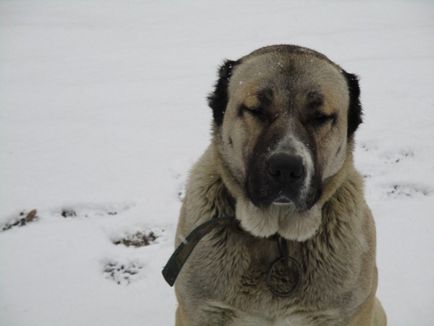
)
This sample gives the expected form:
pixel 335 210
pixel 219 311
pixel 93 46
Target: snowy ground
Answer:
pixel 102 112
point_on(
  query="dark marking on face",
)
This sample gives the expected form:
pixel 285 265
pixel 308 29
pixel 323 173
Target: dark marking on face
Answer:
pixel 262 187
pixel 315 190
pixel 258 189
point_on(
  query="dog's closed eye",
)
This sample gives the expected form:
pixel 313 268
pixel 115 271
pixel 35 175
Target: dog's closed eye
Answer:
pixel 256 112
pixel 319 119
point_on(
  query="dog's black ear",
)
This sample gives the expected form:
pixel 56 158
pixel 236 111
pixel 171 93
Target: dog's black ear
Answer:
pixel 218 99
pixel 355 108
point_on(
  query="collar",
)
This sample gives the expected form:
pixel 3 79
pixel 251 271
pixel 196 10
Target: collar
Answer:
pixel 181 254
pixel 284 274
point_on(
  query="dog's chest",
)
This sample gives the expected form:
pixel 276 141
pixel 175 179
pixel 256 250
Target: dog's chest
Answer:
pixel 289 320
pixel 233 271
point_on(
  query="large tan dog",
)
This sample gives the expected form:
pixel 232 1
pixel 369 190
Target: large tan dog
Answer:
pixel 280 163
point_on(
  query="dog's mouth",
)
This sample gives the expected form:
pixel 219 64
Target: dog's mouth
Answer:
pixel 282 200
pixel 299 201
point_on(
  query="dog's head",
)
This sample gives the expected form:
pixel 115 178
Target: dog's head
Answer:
pixel 284 117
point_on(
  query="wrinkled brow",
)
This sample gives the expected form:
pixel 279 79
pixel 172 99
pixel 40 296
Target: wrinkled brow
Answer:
pixel 265 96
pixel 314 99
pixel 259 98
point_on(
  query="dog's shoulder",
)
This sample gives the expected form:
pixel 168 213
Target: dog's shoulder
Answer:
pixel 206 195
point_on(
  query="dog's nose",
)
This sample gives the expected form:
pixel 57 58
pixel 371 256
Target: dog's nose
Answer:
pixel 285 168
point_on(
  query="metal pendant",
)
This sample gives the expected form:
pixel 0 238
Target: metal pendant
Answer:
pixel 284 274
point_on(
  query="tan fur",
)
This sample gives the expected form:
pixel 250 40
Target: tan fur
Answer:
pixel 222 283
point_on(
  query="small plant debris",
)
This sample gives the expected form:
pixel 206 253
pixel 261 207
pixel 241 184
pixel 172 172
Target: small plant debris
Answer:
pixel 23 220
pixel 67 212
pixel 138 239
pixel 122 274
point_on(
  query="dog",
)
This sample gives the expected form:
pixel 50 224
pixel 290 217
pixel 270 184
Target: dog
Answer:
pixel 297 245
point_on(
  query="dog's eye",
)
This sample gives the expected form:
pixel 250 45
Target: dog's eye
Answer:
pixel 256 112
pixel 320 119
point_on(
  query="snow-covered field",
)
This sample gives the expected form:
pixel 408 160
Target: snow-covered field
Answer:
pixel 103 111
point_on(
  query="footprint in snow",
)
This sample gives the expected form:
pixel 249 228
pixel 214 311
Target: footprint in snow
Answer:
pixel 123 273
pixel 407 191
pixel 85 211
pixel 367 146
pixel 22 219
pixel 141 238
pixel 389 157
pixel 398 156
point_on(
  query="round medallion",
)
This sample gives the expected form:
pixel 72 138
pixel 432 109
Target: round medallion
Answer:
pixel 284 276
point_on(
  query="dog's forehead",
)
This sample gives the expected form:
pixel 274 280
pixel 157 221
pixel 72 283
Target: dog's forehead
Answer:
pixel 294 72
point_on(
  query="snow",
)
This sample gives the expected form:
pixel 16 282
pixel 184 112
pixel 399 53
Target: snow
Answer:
pixel 103 111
